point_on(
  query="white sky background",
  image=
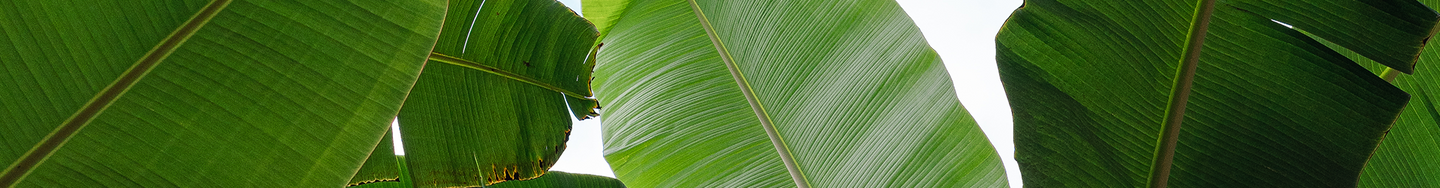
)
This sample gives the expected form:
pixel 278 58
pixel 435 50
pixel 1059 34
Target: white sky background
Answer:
pixel 961 31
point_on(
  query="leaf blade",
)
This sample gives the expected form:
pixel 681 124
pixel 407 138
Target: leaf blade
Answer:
pixel 1084 79
pixel 674 110
pixel 489 107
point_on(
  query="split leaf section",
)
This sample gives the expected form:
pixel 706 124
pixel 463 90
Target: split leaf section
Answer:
pixel 495 101
pixel 263 94
pixel 558 179
pixel 1407 156
pixel 855 95
pixel 1409 153
pixel 403 180
pixel 1270 106
pixel 381 165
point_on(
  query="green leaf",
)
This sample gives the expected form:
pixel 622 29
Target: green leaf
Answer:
pixel 851 86
pixel 1088 82
pixel 491 105
pixel 193 93
pixel 1390 32
pixel 558 179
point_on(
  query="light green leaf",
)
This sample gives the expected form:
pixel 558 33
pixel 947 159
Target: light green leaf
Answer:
pixel 605 14
pixel 195 93
pixel 491 105
pixel 558 179
pixel 850 91
pixel 1089 83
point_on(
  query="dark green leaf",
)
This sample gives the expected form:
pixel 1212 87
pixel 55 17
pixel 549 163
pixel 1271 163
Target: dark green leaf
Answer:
pixel 1271 107
pixel 1391 32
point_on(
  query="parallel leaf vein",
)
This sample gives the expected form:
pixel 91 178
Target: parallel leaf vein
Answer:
pixel 785 155
pixel 436 56
pixel 97 104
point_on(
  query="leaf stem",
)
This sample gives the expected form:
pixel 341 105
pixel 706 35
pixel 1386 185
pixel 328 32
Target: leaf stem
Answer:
pixel 1179 95
pixel 1389 74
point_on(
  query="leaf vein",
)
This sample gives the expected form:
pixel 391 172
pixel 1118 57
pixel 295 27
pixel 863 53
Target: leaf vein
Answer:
pixel 102 100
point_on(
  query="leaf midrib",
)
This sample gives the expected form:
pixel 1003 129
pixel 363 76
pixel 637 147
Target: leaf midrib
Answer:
pixel 102 100
pixel 437 56
pixel 1179 95
pixel 784 150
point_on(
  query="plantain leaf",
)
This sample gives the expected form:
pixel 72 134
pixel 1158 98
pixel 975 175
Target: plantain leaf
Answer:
pixel 833 94
pixel 491 105
pixel 196 93
pixel 1270 106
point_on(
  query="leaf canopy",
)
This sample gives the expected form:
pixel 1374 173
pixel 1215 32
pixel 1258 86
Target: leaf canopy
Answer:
pixel 1089 80
pixel 720 94
pixel 198 93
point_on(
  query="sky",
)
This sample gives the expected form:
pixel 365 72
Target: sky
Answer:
pixel 961 31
